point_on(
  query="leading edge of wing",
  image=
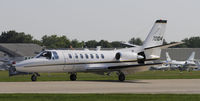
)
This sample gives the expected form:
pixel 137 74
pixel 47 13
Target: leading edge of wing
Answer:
pixel 131 66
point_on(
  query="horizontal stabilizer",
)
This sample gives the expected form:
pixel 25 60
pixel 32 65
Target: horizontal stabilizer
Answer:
pixel 130 45
pixel 165 46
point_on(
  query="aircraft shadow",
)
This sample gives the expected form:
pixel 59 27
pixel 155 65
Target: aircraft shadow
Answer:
pixel 116 81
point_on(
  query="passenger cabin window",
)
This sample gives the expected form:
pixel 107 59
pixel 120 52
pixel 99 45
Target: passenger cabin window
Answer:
pixel 81 55
pixel 91 55
pixel 102 56
pixel 55 55
pixel 76 56
pixel 46 54
pixel 86 56
pixel 70 56
pixel 97 56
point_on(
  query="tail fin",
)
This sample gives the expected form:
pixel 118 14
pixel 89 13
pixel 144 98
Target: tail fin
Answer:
pixel 155 36
pixel 191 58
pixel 153 42
pixel 197 63
pixel 168 57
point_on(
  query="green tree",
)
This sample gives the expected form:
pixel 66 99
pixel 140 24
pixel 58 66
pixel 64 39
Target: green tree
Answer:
pixel 54 41
pixel 104 44
pixel 192 42
pixel 76 44
pixel 15 37
pixel 135 41
pixel 117 44
pixel 91 44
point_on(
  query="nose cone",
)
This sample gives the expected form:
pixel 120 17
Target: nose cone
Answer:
pixel 19 66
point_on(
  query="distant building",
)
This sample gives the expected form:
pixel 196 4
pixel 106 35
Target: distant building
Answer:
pixel 22 50
pixel 180 53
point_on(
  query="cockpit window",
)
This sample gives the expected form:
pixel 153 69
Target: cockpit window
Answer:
pixel 55 55
pixel 46 54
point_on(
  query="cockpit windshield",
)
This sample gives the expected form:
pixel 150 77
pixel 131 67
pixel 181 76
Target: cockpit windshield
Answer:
pixel 46 54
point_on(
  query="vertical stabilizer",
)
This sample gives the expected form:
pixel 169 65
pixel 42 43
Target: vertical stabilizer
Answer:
pixel 155 36
pixel 168 57
pixel 191 58
pixel 154 40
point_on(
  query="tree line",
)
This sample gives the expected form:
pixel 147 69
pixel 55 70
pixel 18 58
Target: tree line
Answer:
pixel 54 41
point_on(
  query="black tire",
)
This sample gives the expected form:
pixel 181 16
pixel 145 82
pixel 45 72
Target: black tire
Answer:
pixel 34 78
pixel 73 77
pixel 121 77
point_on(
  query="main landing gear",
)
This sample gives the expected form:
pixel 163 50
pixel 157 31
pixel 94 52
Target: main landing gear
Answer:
pixel 73 77
pixel 34 76
pixel 121 77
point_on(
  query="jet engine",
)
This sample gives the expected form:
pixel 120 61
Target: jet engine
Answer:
pixel 128 56
pixel 141 60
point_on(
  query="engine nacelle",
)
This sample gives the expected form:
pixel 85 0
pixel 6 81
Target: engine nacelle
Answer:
pixel 142 60
pixel 127 56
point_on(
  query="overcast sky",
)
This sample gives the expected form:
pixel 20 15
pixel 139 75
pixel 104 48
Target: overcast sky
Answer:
pixel 112 20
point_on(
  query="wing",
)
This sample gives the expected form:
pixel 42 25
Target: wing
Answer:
pixel 105 67
pixel 131 66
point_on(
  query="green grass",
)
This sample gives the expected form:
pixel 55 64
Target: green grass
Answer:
pixel 89 76
pixel 99 97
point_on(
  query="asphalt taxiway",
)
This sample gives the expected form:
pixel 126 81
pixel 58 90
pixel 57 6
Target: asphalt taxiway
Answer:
pixel 169 86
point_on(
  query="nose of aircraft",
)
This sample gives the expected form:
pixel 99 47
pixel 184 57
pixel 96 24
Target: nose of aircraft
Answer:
pixel 19 66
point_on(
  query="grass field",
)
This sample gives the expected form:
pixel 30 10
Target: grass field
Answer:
pixel 99 97
pixel 89 76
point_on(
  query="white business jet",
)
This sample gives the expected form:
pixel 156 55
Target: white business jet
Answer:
pixel 95 61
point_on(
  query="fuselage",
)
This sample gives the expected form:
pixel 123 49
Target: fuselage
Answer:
pixel 181 63
pixel 76 61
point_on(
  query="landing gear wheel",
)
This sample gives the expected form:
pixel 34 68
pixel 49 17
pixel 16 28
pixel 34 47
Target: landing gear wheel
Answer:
pixel 121 77
pixel 34 77
pixel 73 77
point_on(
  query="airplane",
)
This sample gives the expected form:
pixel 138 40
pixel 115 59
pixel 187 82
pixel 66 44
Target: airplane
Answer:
pixel 181 65
pixel 162 67
pixel 96 61
pixel 198 66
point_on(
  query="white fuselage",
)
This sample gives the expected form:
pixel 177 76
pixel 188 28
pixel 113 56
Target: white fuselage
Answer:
pixel 76 61
pixel 181 63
